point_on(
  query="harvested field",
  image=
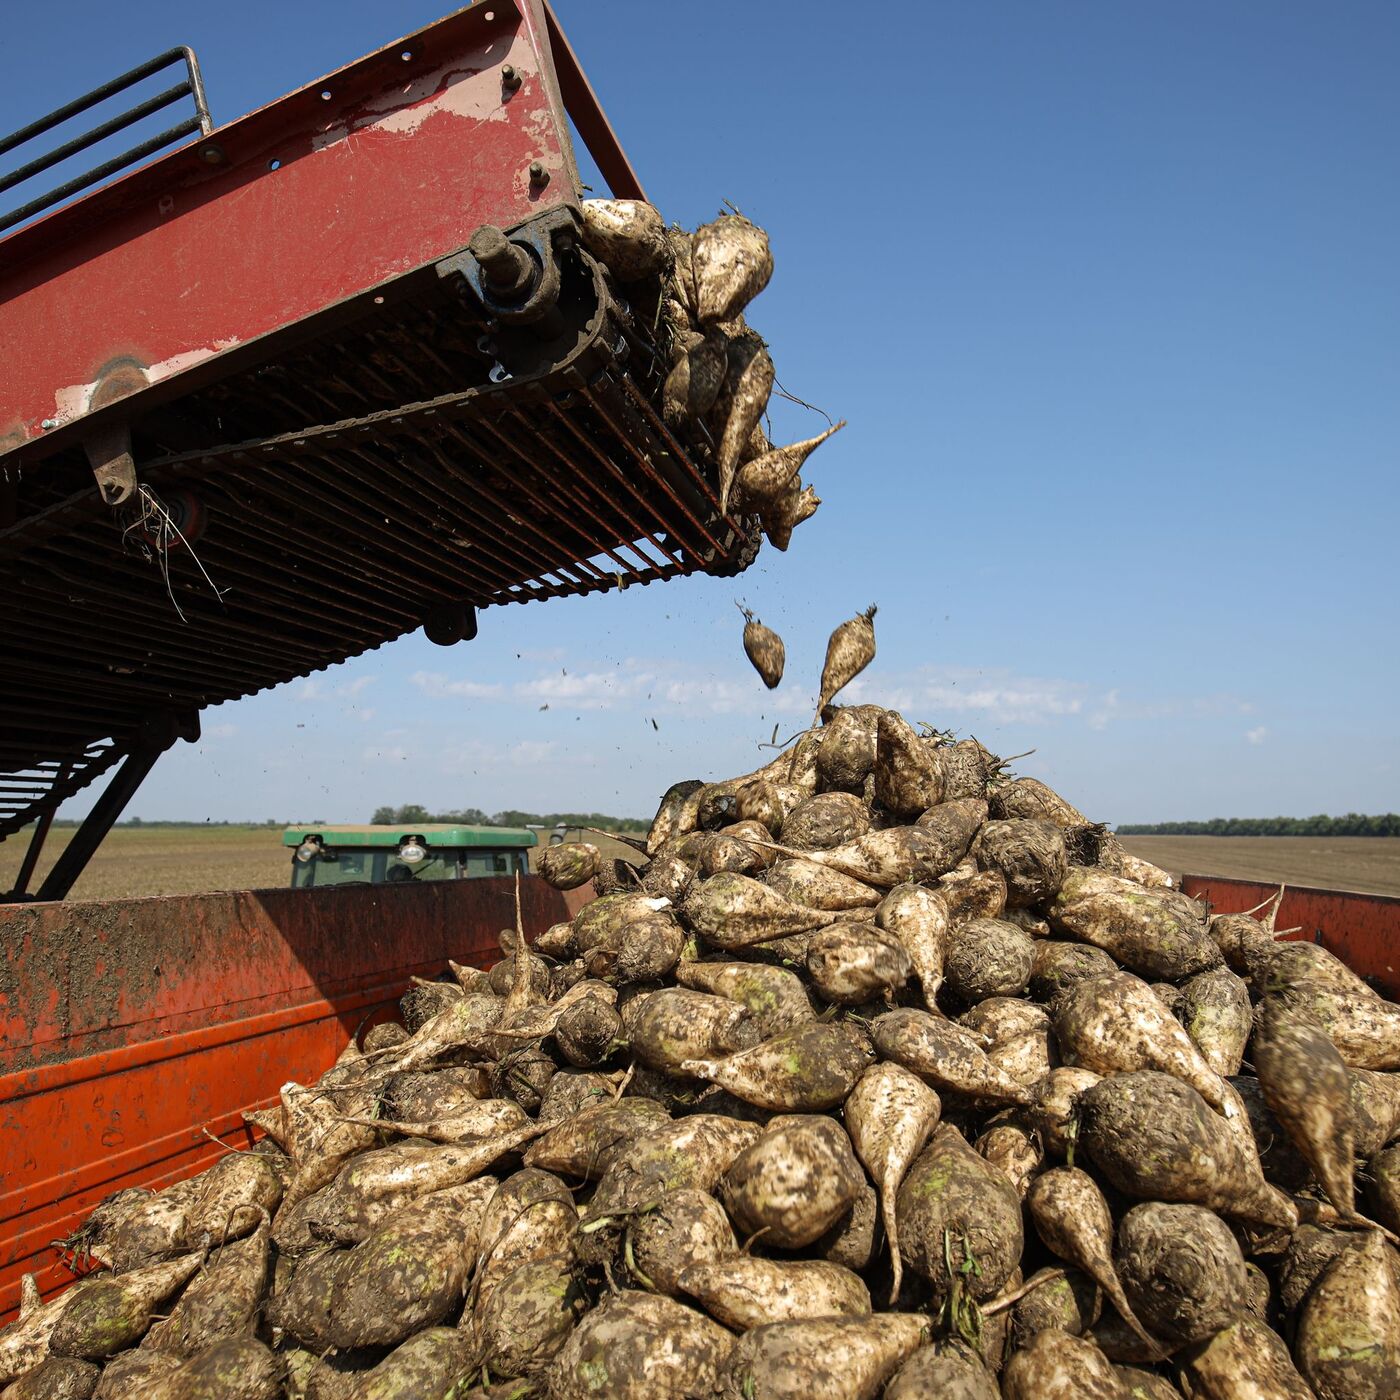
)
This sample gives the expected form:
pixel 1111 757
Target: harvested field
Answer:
pixel 1369 864
pixel 135 861
pixel 187 859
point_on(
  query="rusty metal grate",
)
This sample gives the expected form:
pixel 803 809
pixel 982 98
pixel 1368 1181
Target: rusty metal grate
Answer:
pixel 49 781
pixel 418 457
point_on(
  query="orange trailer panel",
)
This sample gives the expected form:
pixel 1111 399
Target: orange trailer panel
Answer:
pixel 131 1030
pixel 1363 930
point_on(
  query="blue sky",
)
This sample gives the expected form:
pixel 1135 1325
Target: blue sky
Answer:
pixel 1110 298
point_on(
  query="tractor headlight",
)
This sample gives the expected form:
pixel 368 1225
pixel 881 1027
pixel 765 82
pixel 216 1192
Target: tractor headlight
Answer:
pixel 411 851
pixel 309 849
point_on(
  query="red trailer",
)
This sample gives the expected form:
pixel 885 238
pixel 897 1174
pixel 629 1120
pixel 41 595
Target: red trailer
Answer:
pixel 134 1032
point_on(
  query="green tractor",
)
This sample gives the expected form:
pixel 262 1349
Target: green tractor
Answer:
pixel 388 855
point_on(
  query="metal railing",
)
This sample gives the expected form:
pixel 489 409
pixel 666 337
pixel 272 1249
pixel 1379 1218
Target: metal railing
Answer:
pixel 192 86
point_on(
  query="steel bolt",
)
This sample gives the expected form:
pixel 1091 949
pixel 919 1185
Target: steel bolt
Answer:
pixel 538 174
pixel 48 424
pixel 510 79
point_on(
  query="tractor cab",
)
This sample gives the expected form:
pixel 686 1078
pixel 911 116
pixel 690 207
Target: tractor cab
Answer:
pixel 388 855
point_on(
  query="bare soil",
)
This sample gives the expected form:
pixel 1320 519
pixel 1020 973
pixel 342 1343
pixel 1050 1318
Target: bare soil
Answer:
pixel 1369 864
pixel 135 861
pixel 185 860
pixel 163 860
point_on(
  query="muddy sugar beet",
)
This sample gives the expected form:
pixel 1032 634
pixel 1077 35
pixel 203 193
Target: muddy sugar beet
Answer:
pixel 764 648
pixel 877 1071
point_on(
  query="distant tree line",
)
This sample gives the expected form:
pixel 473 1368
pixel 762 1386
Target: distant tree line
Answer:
pixel 1353 824
pixel 411 814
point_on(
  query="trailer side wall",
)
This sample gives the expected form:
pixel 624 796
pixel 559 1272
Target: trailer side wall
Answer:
pixel 133 1033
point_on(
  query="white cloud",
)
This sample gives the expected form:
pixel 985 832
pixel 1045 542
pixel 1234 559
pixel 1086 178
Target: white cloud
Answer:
pixel 1005 697
pixel 954 697
pixel 937 694
pixel 437 687
pixel 587 690
pixel 946 696
pixel 941 694
pixel 309 690
pixel 474 755
pixel 716 695
pixel 647 685
pixel 355 687
pixel 876 690
pixel 635 683
pixel 1106 711
pixel 467 755
pixel 1256 736
pixel 220 731
pixel 639 683
pixel 531 751
pixel 1222 705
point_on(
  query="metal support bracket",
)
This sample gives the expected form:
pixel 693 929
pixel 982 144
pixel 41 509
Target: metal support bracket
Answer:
pixel 109 454
pixel 108 447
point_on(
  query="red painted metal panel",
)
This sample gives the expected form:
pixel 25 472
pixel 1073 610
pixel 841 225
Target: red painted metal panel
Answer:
pixel 1361 929
pixel 574 900
pixel 381 168
pixel 129 1028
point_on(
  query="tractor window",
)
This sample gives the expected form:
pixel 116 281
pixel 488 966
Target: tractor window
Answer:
pixel 479 863
pixel 348 868
pixel 436 865
pixel 380 867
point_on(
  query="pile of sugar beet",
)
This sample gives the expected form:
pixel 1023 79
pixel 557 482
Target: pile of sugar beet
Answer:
pixel 877 1071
